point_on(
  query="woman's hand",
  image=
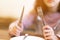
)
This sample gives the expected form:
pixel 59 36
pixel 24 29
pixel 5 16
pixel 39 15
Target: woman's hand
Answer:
pixel 48 33
pixel 14 29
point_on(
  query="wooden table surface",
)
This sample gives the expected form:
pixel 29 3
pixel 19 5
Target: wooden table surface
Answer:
pixel 4 24
pixel 4 35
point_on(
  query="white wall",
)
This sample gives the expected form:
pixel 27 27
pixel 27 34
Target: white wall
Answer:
pixel 13 8
pixel 10 8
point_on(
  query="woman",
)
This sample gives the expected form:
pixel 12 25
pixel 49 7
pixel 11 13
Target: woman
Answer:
pixel 51 18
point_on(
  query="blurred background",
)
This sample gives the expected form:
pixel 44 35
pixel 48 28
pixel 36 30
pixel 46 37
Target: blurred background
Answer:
pixel 9 11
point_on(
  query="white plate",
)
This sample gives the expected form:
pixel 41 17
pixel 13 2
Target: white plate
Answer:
pixel 27 38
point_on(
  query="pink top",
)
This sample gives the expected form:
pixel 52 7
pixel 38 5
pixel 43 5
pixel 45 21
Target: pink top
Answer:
pixel 52 20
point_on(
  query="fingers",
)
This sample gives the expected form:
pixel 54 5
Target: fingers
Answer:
pixel 12 32
pixel 48 32
pixel 14 29
pixel 48 29
pixel 18 30
pixel 19 27
pixel 47 35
